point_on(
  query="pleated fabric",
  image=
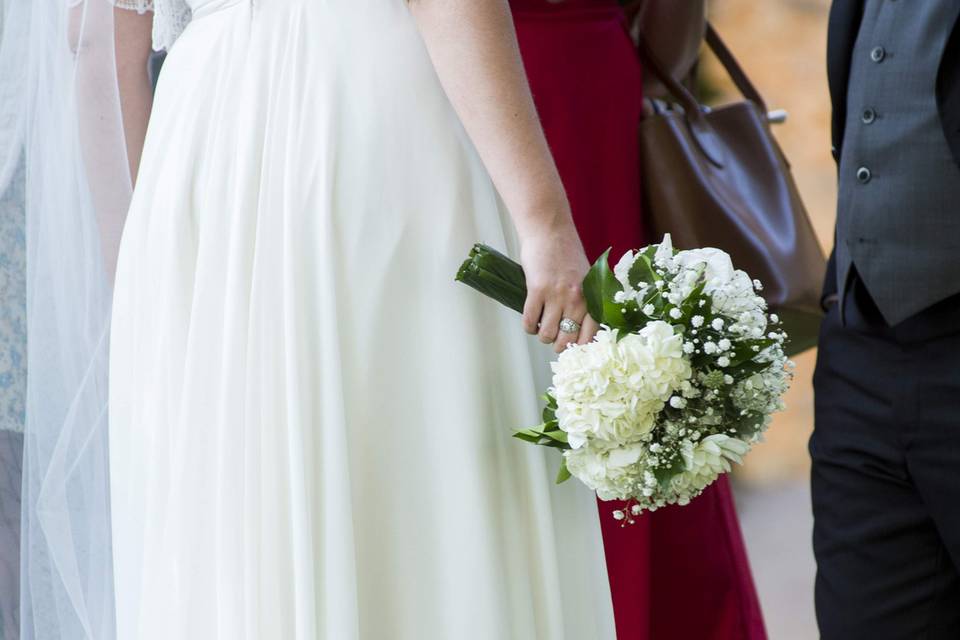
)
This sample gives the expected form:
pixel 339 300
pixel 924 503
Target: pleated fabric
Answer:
pixel 309 420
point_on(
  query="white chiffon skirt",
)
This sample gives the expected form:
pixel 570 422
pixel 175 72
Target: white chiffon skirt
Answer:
pixel 310 421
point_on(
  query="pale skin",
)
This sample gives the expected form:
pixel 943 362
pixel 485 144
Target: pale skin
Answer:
pixel 132 45
pixel 474 50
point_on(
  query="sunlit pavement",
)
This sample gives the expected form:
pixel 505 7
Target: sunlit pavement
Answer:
pixel 777 525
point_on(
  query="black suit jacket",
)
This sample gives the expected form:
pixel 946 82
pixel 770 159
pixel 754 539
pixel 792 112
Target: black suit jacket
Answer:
pixel 842 32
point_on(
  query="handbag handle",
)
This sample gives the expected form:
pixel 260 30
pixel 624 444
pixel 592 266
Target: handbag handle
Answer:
pixel 703 132
pixel 719 49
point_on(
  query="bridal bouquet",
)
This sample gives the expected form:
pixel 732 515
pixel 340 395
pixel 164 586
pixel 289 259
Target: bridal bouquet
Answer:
pixel 680 382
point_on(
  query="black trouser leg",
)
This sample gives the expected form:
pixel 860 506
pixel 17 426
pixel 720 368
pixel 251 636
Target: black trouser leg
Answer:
pixel 886 480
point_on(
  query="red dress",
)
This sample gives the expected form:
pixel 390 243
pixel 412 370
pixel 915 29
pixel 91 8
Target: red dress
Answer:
pixel 680 573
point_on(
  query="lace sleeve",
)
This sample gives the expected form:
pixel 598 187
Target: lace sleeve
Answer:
pixel 170 18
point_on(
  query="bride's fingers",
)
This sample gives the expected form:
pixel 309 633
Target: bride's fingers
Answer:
pixel 532 310
pixel 589 330
pixel 564 338
pixel 550 322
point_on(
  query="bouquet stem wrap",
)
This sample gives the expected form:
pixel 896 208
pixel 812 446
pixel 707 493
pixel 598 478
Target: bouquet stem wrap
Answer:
pixel 495 275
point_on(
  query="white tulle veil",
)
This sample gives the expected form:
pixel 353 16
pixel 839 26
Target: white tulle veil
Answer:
pixel 60 116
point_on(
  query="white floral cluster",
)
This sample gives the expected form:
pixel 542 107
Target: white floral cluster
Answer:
pixel 656 410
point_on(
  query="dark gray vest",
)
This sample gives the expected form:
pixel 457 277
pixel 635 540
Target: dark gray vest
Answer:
pixel 898 219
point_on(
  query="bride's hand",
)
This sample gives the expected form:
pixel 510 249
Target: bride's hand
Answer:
pixel 555 264
pixel 474 50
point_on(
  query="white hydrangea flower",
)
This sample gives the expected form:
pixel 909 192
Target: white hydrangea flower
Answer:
pixel 612 390
pixel 612 473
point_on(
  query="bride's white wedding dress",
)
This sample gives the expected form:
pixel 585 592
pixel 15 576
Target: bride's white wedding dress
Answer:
pixel 309 420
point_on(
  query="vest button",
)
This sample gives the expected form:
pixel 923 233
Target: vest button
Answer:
pixel 868 116
pixel 863 175
pixel 878 54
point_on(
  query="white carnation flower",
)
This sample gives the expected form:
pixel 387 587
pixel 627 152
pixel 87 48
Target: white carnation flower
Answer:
pixel 704 462
pixel 622 270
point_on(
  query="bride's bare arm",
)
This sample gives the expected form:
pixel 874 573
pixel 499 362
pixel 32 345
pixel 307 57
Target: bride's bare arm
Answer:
pixel 474 50
pixel 133 48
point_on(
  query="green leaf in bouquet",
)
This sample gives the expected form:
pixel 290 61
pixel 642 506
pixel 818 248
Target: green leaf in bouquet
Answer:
pixel 564 474
pixel 556 434
pixel 527 435
pixel 550 409
pixel 546 435
pixel 747 350
pixel 747 425
pixel 665 474
pixel 642 271
pixel 749 368
pixel 635 317
pixel 599 288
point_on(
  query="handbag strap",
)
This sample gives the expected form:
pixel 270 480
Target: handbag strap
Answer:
pixel 704 134
pixel 680 92
pixel 729 62
pixel 652 64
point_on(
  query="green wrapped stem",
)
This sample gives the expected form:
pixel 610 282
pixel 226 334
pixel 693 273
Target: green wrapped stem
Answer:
pixel 495 275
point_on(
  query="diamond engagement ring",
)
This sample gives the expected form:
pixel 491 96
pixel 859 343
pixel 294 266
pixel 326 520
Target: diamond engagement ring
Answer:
pixel 569 326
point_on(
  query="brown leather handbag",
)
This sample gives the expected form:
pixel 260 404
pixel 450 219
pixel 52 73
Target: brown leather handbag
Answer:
pixel 718 178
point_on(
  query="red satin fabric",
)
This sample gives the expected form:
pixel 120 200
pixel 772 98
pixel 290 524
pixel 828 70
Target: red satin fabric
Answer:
pixel 680 573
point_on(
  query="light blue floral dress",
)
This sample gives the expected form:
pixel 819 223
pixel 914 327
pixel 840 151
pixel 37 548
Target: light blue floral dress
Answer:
pixel 13 382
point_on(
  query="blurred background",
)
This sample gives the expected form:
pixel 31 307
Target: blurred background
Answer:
pixel 782 46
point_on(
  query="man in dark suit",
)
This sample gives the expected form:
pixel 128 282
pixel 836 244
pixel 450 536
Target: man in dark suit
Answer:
pixel 886 448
